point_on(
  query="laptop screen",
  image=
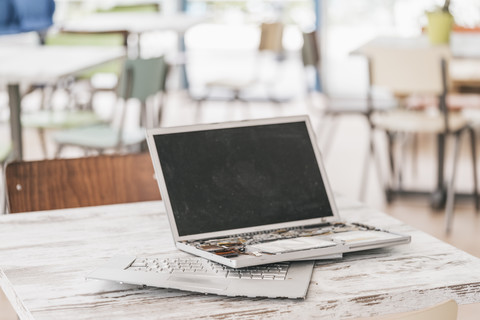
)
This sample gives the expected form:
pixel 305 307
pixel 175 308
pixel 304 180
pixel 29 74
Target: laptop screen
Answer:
pixel 241 177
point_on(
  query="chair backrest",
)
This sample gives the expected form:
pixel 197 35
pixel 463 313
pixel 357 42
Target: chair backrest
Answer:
pixel 7 15
pixel 34 15
pixel 271 36
pixel 147 77
pixel 90 181
pixel 405 70
pixel 141 79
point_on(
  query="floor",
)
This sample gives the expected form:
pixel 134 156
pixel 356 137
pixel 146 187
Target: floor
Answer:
pixel 344 163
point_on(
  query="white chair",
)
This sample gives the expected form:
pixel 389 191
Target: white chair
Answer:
pixel 232 86
pixel 334 106
pixel 423 70
pixel 141 79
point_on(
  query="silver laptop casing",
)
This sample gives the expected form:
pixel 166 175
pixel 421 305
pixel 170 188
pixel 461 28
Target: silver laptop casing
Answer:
pixel 295 285
pixel 250 260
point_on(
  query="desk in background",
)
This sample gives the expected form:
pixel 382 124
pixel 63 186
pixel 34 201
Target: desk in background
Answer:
pixel 464 65
pixel 43 65
pixel 136 23
pixel 131 22
pixel 44 257
pixel 463 68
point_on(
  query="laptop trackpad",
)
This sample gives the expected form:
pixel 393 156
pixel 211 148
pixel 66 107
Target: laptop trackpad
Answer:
pixel 199 282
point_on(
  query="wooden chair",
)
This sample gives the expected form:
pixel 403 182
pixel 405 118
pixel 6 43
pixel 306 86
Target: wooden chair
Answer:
pixel 70 183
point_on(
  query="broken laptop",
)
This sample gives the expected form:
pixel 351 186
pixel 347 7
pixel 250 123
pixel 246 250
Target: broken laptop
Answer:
pixel 253 192
pixel 190 273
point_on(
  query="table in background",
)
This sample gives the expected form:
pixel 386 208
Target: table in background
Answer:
pixel 43 65
pixel 136 23
pixel 45 256
pixel 132 22
pixel 464 69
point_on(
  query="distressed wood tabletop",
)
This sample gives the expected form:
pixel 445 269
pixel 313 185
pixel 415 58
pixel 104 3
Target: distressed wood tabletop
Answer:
pixel 44 257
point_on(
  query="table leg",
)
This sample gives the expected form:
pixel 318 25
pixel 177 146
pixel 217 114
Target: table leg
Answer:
pixel 439 195
pixel 15 124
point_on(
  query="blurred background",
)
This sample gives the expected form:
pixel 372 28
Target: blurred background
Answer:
pixel 357 68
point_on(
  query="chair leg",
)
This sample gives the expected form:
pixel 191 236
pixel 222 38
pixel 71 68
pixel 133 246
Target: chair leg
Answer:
pixel 391 157
pixel 4 192
pixel 403 160
pixel 474 167
pixel 43 143
pixel 245 108
pixel 321 128
pixel 366 166
pixel 381 181
pixel 143 115
pixel 414 154
pixel 198 111
pixel 59 150
pixel 449 208
pixel 365 171
pixel 160 109
pixel 327 145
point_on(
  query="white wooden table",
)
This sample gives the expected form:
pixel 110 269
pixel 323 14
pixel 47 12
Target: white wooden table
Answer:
pixel 44 257
pixel 41 65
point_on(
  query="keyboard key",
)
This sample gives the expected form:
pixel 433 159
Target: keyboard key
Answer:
pixel 138 264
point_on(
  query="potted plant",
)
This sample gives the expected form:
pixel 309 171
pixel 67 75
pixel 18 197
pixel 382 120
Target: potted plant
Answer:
pixel 440 23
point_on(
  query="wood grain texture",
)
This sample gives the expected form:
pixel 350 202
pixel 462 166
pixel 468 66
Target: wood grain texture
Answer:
pixel 70 183
pixel 44 257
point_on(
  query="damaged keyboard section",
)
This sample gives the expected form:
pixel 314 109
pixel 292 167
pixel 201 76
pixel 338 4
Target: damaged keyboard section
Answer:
pixel 284 240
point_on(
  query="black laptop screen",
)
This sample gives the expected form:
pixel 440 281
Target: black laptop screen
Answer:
pixel 241 177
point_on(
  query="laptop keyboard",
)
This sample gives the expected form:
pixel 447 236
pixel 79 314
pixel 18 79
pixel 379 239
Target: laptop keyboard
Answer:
pixel 204 268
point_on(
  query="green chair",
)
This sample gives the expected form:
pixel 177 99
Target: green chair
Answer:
pixel 48 119
pixel 236 88
pixel 141 79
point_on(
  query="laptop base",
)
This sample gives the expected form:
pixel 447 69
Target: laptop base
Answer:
pixel 286 280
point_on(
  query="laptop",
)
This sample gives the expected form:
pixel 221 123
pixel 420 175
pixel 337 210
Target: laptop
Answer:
pixel 189 273
pixel 253 192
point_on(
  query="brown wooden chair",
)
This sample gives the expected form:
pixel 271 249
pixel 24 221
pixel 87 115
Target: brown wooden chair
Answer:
pixel 70 183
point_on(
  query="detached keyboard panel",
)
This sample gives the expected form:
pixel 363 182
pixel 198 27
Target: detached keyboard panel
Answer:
pixel 199 267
